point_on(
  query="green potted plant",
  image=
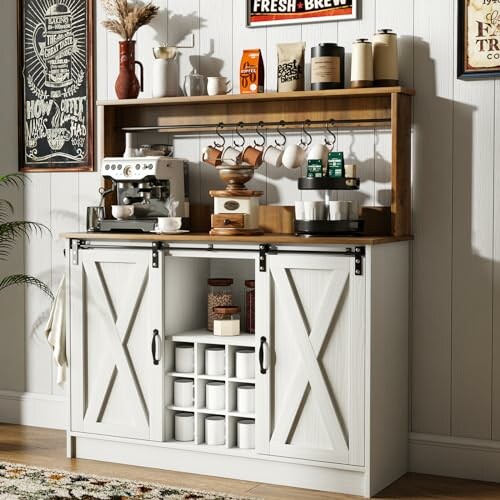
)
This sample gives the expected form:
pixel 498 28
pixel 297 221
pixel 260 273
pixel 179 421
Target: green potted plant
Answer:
pixel 11 231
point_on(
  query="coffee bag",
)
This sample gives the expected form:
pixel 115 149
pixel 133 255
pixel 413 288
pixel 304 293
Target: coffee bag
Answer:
pixel 251 72
pixel 291 66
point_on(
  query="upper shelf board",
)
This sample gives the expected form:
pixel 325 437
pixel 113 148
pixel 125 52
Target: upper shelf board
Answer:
pixel 263 97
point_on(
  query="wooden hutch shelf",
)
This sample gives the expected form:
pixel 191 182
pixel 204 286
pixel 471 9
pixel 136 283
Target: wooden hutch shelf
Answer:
pixel 386 107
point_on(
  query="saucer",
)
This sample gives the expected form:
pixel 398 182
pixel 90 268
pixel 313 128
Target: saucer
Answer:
pixel 175 231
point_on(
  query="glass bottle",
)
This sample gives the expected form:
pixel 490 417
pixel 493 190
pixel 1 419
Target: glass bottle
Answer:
pixel 219 294
pixel 250 306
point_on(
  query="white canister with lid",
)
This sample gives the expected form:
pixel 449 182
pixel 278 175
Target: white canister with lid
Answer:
pixel 245 363
pixel 385 58
pixel 362 64
pixel 215 360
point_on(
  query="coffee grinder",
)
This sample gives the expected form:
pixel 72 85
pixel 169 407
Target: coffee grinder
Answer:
pixel 236 208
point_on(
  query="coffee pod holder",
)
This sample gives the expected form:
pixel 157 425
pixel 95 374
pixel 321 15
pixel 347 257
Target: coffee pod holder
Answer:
pixel 329 227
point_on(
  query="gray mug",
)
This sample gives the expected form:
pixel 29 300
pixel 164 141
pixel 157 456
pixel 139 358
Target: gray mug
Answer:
pixel 94 217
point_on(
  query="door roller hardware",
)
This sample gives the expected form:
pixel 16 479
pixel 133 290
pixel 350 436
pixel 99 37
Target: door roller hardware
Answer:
pixel 264 249
pixel 359 254
pixel 75 246
pixel 156 254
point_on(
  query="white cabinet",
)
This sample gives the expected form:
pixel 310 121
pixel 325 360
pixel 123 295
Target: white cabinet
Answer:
pixel 311 311
pixel 116 344
pixel 331 358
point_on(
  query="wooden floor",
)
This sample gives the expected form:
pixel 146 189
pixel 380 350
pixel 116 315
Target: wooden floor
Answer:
pixel 47 448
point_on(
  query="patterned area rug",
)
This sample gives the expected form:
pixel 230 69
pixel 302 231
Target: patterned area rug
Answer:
pixel 20 482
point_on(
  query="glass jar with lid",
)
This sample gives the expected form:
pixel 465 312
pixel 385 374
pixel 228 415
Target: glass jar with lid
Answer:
pixel 219 294
pixel 250 306
pixel 227 321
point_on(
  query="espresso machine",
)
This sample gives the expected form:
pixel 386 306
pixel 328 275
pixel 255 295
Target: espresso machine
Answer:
pixel 145 183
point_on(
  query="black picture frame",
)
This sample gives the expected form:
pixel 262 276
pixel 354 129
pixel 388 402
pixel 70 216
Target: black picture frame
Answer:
pixel 300 16
pixel 56 85
pixel 466 68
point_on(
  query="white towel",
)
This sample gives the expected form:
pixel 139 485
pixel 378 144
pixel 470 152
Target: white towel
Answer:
pixel 55 331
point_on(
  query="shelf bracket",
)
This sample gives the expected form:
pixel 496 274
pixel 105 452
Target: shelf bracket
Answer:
pixel 156 254
pixel 359 254
pixel 264 249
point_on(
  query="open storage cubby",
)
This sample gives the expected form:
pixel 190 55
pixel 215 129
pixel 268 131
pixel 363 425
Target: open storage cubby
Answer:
pixel 200 343
pixel 185 319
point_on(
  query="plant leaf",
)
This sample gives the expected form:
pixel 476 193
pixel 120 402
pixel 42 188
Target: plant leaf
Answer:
pixel 16 180
pixel 23 279
pixel 15 229
pixel 6 209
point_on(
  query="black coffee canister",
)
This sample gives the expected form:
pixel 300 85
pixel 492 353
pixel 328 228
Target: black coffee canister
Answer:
pixel 327 67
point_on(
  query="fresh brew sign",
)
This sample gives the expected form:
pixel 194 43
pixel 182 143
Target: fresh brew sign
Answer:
pixel 271 12
pixel 479 38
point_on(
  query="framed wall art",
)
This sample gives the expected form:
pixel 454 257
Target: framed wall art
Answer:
pixel 277 12
pixel 478 39
pixel 56 103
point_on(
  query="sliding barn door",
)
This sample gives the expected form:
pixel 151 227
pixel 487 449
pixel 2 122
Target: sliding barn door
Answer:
pixel 311 399
pixel 116 341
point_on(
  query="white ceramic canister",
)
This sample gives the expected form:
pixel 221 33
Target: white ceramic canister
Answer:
pixel 184 426
pixel 215 360
pixel 246 434
pixel 215 430
pixel 184 358
pixel 385 58
pixel 215 395
pixel 362 64
pixel 183 392
pixel 245 399
pixel 160 77
pixel 245 363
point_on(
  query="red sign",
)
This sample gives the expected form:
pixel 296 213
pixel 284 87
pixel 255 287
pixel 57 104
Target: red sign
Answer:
pixel 270 12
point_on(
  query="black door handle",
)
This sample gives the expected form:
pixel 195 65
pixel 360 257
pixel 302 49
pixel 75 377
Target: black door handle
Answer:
pixel 156 335
pixel 263 355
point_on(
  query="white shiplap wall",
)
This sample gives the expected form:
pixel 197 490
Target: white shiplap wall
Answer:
pixel 456 302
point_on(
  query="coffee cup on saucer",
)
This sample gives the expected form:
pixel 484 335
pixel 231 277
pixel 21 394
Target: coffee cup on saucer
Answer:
pixel 168 224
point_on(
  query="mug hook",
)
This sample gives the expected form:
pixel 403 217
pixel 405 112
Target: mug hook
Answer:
pixel 219 127
pixel 260 126
pixel 237 130
pixel 307 123
pixel 281 124
pixel 331 144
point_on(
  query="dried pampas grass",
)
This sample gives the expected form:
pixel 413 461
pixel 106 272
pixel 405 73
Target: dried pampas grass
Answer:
pixel 124 19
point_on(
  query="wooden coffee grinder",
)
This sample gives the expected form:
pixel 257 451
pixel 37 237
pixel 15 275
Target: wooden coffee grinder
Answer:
pixel 236 208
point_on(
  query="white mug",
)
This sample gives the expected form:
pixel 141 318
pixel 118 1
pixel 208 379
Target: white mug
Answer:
pixel 245 399
pixel 339 210
pixel 231 156
pixel 215 430
pixel 184 427
pixel 215 395
pixel 246 434
pixel 245 363
pixel 299 210
pixel 166 224
pixel 273 156
pixel 314 210
pixel 319 152
pixel 294 156
pixel 121 212
pixel 184 358
pixel 183 392
pixel 218 85
pixel 215 360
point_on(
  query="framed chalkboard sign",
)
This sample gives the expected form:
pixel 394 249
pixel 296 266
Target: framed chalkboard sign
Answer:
pixel 56 85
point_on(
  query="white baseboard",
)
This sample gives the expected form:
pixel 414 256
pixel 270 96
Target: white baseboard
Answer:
pixel 37 410
pixel 455 457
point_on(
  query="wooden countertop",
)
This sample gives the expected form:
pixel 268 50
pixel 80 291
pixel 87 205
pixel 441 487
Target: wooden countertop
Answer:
pixel 286 239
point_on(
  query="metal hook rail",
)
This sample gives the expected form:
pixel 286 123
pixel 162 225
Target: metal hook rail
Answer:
pixel 260 124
